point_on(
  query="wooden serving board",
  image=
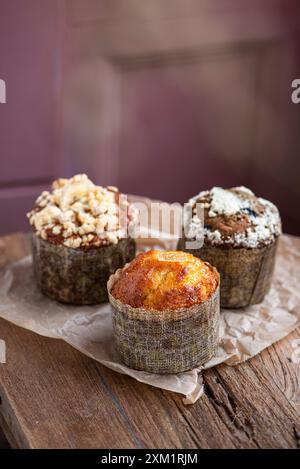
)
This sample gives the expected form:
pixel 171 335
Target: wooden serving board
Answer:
pixel 52 396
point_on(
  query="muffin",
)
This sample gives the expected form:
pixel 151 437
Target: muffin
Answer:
pixel 79 238
pixel 165 311
pixel 240 237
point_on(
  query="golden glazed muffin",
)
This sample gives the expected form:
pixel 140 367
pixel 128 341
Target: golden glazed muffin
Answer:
pixel 240 235
pixel 162 280
pixel 79 238
pixel 165 311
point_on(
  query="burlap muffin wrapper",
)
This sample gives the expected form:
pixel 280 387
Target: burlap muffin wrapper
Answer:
pixel 168 341
pixel 246 273
pixel 77 276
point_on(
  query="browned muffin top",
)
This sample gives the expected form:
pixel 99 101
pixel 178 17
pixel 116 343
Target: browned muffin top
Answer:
pixel 235 217
pixel 162 280
pixel 79 214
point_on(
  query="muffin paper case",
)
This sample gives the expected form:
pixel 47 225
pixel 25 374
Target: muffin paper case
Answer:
pixel 246 274
pixel 78 276
pixel 168 341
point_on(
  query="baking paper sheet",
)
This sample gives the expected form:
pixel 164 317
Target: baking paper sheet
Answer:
pixel 244 333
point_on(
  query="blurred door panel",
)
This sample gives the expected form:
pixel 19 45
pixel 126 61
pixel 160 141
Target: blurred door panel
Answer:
pixel 175 138
pixel 168 97
pixel 162 98
pixel 30 64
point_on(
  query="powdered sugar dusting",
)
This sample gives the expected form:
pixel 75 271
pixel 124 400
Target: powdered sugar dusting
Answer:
pixel 224 202
pixel 244 189
pixel 263 225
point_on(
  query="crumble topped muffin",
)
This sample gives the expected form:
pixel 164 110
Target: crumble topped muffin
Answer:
pixel 165 311
pixel 240 239
pixel 235 217
pixel 80 236
pixel 165 280
pixel 79 214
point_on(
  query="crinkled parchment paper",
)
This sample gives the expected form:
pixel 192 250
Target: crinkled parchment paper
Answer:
pixel 244 333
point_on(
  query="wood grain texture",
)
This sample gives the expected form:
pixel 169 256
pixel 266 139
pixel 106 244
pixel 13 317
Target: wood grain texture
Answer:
pixel 52 396
pixel 3 441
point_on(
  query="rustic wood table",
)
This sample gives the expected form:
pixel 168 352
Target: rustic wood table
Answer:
pixel 52 396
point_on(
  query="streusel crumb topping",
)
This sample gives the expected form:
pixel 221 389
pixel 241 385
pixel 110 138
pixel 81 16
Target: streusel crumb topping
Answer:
pixel 78 213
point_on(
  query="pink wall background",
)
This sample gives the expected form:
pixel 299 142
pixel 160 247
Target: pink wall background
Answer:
pixel 162 101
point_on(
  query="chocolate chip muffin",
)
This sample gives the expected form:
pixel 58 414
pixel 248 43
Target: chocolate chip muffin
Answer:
pixel 240 234
pixel 166 311
pixel 79 238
